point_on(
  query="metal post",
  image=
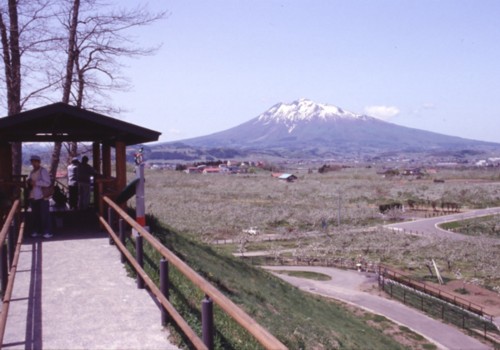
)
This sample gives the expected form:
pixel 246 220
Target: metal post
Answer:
pixel 139 196
pixel 164 287
pixel 207 322
pixel 4 269
pixel 139 256
pixel 121 228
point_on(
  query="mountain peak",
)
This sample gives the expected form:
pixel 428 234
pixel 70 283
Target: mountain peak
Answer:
pixel 303 110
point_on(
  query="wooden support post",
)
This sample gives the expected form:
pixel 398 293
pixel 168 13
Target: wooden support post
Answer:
pixel 110 222
pixel 121 230
pixel 121 165
pixel 106 161
pixel 164 287
pixel 207 322
pixel 5 161
pixel 96 157
pixel 4 268
pixel 139 257
pixel 11 242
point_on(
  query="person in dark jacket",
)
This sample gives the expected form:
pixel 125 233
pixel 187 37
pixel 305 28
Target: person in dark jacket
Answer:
pixel 85 173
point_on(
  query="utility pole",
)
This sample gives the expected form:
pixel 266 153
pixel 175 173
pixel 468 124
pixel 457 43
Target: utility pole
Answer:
pixel 338 216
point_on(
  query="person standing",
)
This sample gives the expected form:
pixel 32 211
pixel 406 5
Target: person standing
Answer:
pixel 72 183
pixel 39 177
pixel 85 172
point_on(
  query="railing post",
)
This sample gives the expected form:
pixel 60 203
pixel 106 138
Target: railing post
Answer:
pixel 4 269
pixel 207 322
pixel 121 228
pixel 110 223
pixel 11 241
pixel 164 287
pixel 139 256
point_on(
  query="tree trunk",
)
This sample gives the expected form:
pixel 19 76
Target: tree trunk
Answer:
pixel 68 81
pixel 12 66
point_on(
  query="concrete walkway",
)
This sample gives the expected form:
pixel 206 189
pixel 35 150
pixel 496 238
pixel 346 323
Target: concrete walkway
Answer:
pixel 72 292
pixel 348 286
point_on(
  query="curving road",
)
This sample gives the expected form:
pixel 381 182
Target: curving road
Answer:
pixel 348 287
pixel 429 226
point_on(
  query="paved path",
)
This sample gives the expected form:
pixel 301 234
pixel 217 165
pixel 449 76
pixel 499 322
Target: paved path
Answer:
pixel 72 292
pixel 429 226
pixel 347 286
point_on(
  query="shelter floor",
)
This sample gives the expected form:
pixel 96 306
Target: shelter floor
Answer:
pixel 72 292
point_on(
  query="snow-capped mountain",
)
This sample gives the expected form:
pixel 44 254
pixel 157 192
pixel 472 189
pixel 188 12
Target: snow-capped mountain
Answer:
pixel 314 128
pixel 304 110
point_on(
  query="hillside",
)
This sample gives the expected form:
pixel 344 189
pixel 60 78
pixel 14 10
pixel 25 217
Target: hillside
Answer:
pixel 298 319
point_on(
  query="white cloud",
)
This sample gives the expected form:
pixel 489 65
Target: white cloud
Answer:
pixel 382 112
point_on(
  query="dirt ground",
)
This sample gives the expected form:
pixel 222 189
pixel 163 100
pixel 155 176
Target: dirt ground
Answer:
pixel 475 294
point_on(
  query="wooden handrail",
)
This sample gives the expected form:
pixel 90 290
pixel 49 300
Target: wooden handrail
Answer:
pixel 183 325
pixel 13 269
pixel 8 221
pixel 242 318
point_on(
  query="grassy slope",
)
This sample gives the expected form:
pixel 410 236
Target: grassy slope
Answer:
pixel 299 320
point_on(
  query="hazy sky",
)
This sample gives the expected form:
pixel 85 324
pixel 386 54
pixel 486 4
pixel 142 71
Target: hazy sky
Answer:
pixel 432 65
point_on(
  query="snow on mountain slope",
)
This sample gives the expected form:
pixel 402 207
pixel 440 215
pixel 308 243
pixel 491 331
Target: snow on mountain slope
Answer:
pixel 304 110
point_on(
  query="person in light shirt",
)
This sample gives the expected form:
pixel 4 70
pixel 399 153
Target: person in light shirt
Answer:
pixel 39 177
pixel 73 183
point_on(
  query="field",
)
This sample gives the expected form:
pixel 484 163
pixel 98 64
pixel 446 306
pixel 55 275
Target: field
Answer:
pixel 335 214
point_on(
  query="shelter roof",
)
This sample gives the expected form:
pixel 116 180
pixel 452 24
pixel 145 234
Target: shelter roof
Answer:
pixel 63 122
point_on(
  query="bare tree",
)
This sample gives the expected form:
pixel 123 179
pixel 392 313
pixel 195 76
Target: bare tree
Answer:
pixel 12 65
pixel 96 40
pixel 25 40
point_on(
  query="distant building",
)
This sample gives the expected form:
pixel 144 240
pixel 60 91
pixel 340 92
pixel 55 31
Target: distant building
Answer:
pixel 284 176
pixel 193 170
pixel 211 171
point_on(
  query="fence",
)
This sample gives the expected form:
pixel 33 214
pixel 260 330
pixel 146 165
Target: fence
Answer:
pixel 161 293
pixel 437 302
pixel 11 237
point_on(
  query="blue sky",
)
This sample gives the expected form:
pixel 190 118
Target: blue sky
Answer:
pixel 431 65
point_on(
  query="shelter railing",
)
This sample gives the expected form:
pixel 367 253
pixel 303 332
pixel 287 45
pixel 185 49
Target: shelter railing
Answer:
pixel 212 294
pixel 11 238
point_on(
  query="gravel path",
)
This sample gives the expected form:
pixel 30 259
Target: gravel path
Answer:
pixel 72 292
pixel 348 286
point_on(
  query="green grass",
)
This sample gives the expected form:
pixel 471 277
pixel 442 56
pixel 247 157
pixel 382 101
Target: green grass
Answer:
pixel 298 319
pixel 306 274
pixel 486 225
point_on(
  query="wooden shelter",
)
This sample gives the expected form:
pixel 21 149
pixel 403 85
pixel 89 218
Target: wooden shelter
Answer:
pixel 63 122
